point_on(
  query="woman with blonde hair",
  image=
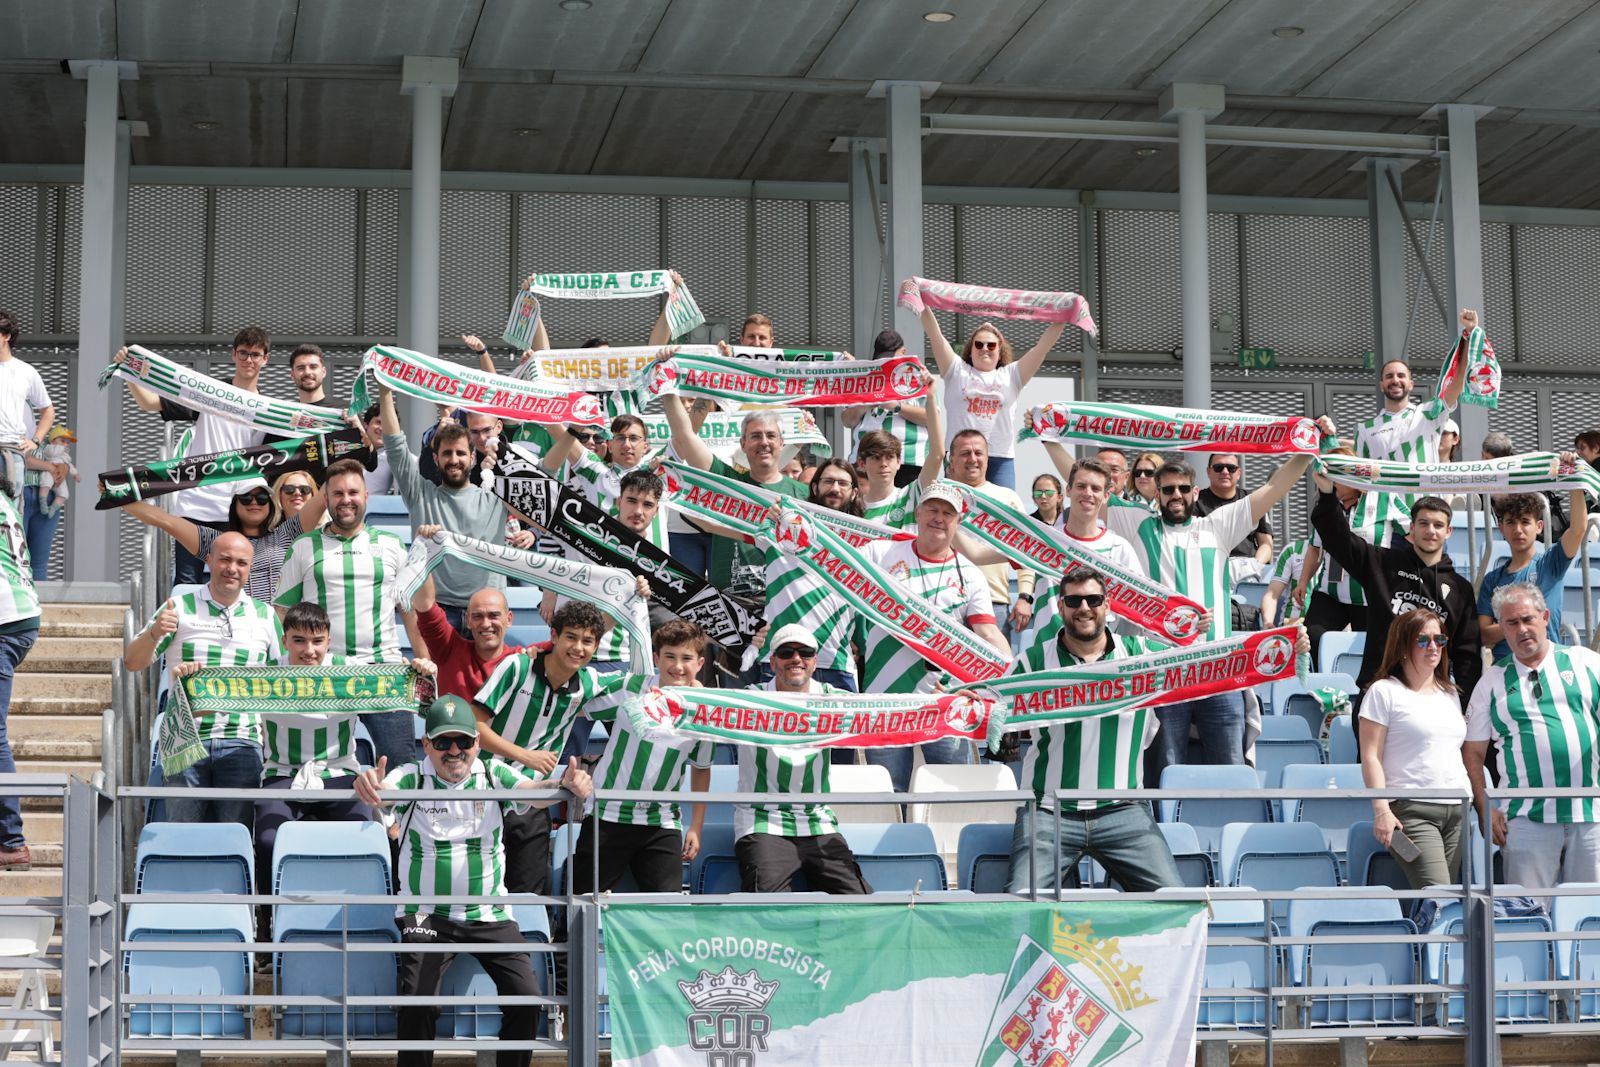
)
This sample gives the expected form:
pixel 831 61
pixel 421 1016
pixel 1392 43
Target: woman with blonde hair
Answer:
pixel 1142 478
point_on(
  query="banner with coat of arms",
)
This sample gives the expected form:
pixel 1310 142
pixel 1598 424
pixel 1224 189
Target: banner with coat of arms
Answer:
pixel 1019 984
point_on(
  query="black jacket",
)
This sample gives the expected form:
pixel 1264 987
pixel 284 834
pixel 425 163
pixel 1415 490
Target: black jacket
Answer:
pixel 1395 581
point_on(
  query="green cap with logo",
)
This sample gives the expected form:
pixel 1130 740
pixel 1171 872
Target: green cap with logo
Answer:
pixel 450 714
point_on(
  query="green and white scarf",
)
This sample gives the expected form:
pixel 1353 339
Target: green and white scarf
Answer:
pixel 1038 547
pixel 965 299
pixel 523 322
pixel 611 369
pixel 742 507
pixel 735 382
pixel 1528 473
pixel 439 381
pixel 342 690
pixel 1473 356
pixel 1143 427
pixel 194 390
pixel 683 314
pixel 721 431
pixel 607 588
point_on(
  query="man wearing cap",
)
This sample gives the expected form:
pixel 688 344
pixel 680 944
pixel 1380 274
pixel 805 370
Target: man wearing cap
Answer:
pixel 776 841
pixel 906 423
pixel 453 847
pixel 950 585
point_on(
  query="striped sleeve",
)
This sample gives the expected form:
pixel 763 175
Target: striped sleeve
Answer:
pixel 296 566
pixel 614 690
pixel 505 776
pixel 497 693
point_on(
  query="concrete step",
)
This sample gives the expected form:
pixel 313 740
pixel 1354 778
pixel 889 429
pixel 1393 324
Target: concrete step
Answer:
pixel 95 654
pixel 42 826
pixel 92 684
pixel 84 727
pixel 58 709
pixel 81 768
pixel 34 883
pixel 50 629
pixel 29 750
pixel 91 614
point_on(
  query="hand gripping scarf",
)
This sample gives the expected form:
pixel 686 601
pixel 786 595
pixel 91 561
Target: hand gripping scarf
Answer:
pixel 722 430
pixel 742 507
pixel 439 381
pixel 966 299
pixel 733 382
pixel 267 461
pixel 1138 427
pixel 1473 356
pixel 194 390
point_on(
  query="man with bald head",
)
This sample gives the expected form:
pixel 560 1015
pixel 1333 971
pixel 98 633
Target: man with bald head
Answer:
pixel 464 663
pixel 215 625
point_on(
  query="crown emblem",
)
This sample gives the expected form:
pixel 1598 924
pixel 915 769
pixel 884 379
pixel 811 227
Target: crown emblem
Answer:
pixel 1103 956
pixel 729 990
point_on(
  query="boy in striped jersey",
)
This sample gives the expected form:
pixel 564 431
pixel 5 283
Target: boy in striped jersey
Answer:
pixel 775 841
pixel 19 629
pixel 1089 489
pixel 218 625
pixel 905 424
pixel 454 847
pixel 878 453
pixel 1542 705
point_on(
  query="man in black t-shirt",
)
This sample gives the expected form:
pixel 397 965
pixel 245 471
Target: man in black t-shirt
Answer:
pixel 1226 474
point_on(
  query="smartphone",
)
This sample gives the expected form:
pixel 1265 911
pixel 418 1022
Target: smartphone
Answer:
pixel 1403 847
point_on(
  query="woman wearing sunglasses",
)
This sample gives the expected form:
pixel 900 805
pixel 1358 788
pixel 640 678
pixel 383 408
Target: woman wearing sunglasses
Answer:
pixel 255 512
pixel 1412 740
pixel 1048 504
pixel 1142 479
pixel 983 384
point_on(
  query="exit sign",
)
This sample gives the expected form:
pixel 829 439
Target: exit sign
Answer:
pixel 1369 360
pixel 1258 358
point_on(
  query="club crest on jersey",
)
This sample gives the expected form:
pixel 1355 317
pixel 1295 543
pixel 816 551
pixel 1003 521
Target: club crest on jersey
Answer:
pixel 1181 623
pixel 1305 435
pixel 1274 656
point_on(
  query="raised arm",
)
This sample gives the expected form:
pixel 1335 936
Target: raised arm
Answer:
pixel 1061 458
pixel 944 357
pixel 562 448
pixel 1277 487
pixel 1578 527
pixel 661 332
pixel 1451 393
pixel 685 440
pixel 1033 359
pixel 932 469
pixel 485 360
pixel 179 528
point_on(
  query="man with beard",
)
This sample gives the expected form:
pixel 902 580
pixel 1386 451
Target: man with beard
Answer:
pixel 309 370
pixel 1403 430
pixel 353 571
pixel 454 503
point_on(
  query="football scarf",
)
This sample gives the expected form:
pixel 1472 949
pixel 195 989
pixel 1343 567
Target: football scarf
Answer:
pixel 611 369
pixel 266 461
pixel 742 507
pixel 454 385
pixel 735 382
pixel 963 299
pixel 1140 427
pixel 1473 356
pixel 1531 472
pixel 683 314
pixel 194 390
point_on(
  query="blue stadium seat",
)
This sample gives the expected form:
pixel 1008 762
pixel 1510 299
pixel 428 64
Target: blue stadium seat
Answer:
pixel 1196 870
pixel 1333 816
pixel 331 858
pixel 1284 728
pixel 724 779
pixel 1337 643
pixel 1385 960
pixel 716 839
pixel 1298 700
pixel 525 598
pixel 1250 592
pixel 465 977
pixel 526 633
pixel 904 874
pixel 194 857
pixel 1209 816
pixel 1270 856
pixel 889 838
pixel 1369 863
pixel 1514 961
pixel 1586 968
pixel 983 857
pixel 1342 741
pixel 1578 959
pixel 203 973
pixel 1272 756
pixel 369 974
pixel 366 751
pixel 1238 967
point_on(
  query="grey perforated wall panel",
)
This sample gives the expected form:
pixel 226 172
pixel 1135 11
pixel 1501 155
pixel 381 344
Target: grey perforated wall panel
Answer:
pixel 939 261
pixel 1430 338
pixel 381 271
pixel 577 232
pixel 1558 284
pixel 67 201
pixel 781 266
pixel 1518 417
pixel 1141 285
pixel 706 240
pixel 19 262
pixel 474 264
pixel 830 278
pixel 1571 411
pixel 166 286
pixel 1021 248
pixel 1307 284
pixel 285 260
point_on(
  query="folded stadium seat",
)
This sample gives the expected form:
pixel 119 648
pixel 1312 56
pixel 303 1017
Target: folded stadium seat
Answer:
pixel 27 936
pixel 1273 755
pixel 983 857
pixel 948 820
pixel 1273 856
pixel 1342 746
pixel 201 972
pixel 1368 863
pixel 1241 967
pixel 716 839
pixel 525 599
pixel 724 779
pixel 1385 960
pixel 465 977
pixel 194 857
pixel 1208 816
pixel 1337 644
pixel 895 857
pixel 387 511
pixel 862 778
pixel 1514 961
pixel 524 633
pixel 1245 592
pixel 1333 816
pixel 1284 728
pixel 1579 959
pixel 889 838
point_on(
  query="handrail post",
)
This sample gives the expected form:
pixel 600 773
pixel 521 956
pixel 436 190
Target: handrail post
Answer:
pixel 77 891
pixel 583 986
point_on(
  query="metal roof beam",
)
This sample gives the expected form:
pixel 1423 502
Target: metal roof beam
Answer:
pixel 1166 133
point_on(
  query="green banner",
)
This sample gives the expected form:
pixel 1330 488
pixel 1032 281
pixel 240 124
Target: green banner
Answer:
pixel 982 984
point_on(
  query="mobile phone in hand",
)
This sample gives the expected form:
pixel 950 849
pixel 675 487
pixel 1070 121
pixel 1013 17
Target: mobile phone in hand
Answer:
pixel 1403 847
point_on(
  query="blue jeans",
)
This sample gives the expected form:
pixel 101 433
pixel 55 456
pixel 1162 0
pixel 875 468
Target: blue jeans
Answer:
pixel 945 751
pixel 1002 470
pixel 232 763
pixel 394 734
pixel 13 650
pixel 40 530
pixel 693 550
pixel 1218 719
pixel 1122 838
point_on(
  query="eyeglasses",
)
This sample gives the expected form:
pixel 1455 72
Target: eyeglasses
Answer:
pixel 1078 600
pixel 1040 494
pixel 794 652
pixel 1426 641
pixel 1225 468
pixel 260 356
pixel 632 439
pixel 589 438
pixel 452 742
pixel 297 490
pixel 258 498
pixel 1168 490
pixel 987 346
pixel 1144 472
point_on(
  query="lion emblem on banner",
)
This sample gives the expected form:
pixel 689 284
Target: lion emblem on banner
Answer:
pixel 1305 435
pixel 1181 623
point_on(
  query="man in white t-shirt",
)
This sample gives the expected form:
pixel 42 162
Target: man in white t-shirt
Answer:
pixel 25 410
pixel 207 505
pixel 969 462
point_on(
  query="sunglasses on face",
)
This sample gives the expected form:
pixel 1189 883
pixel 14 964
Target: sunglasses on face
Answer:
pixel 1144 472
pixel 1039 494
pixel 297 490
pixel 1078 600
pixel 986 346
pixel 794 652
pixel 258 498
pixel 1168 490
pixel 1427 641
pixel 1225 468
pixel 452 742
pixel 589 438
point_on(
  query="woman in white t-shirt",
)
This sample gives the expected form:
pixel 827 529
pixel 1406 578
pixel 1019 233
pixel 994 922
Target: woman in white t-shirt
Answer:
pixel 982 387
pixel 1413 740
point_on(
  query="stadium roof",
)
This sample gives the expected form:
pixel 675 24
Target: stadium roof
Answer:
pixel 760 89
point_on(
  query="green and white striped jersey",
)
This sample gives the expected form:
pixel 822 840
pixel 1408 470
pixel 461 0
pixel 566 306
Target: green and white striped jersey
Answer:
pixel 244 635
pixel 898 509
pixel 631 762
pixel 1545 720
pixel 356 580
pixel 1190 558
pixel 797 594
pixel 601 483
pixel 1378 519
pixel 290 740
pixel 1046 619
pixel 953 587
pixel 1102 753
pixel 530 712
pixel 453 846
pixel 18 599
pixel 1411 434
pixel 779 771
pixel 913 438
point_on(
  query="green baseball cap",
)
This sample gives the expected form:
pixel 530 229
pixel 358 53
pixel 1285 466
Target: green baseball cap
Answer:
pixel 450 714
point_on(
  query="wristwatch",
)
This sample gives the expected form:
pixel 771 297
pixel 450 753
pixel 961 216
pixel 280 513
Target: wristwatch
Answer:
pixel 1025 596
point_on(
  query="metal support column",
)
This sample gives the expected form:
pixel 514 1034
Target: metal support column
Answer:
pixel 904 146
pixel 1464 247
pixel 100 310
pixel 1192 106
pixel 867 267
pixel 1386 236
pixel 428 80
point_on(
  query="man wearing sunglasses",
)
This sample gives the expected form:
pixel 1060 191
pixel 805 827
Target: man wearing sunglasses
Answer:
pixel 1542 705
pixel 1225 472
pixel 454 846
pixel 776 841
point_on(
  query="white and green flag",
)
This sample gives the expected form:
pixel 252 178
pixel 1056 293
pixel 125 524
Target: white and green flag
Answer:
pixel 1023 984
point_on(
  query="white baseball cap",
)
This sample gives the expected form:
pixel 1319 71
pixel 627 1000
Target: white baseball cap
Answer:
pixel 793 634
pixel 949 492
